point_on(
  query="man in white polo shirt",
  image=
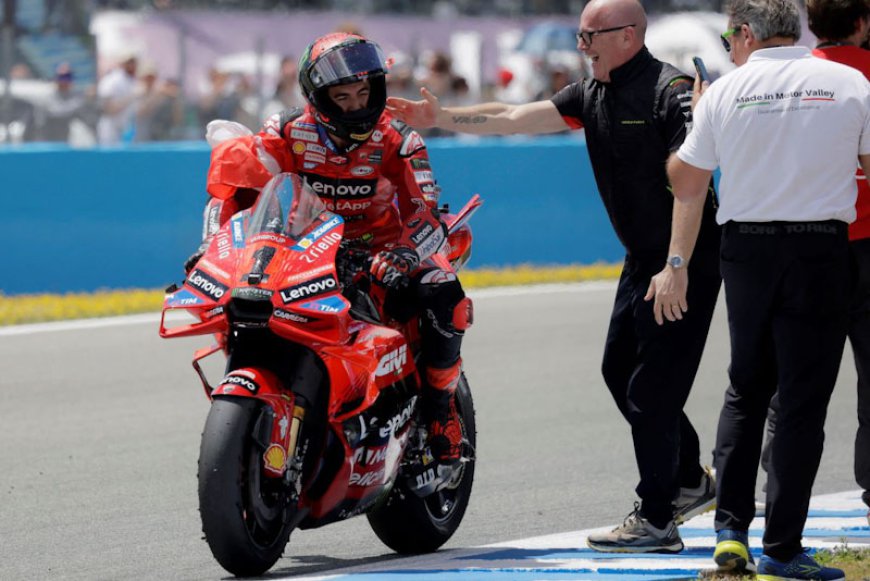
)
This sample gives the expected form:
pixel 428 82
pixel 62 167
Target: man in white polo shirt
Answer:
pixel 786 130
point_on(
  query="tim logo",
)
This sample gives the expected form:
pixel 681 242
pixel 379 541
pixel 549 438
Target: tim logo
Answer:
pixel 393 362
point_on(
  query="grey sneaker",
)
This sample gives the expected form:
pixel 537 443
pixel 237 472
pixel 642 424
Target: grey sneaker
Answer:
pixel 694 501
pixel 637 535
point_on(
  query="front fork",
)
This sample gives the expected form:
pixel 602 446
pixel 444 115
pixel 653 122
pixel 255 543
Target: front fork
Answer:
pixel 279 425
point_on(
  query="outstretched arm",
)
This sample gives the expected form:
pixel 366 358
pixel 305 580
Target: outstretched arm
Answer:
pixel 483 119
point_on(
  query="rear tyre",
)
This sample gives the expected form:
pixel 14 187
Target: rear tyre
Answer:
pixel 243 512
pixel 409 524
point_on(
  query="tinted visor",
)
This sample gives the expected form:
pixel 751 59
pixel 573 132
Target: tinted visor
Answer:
pixel 347 62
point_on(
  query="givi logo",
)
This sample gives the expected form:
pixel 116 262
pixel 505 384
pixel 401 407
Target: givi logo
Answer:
pixel 393 362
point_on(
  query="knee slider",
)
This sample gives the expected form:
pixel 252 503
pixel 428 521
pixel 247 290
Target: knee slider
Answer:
pixel 463 314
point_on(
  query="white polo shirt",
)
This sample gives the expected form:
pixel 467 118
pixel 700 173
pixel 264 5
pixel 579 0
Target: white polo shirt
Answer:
pixel 786 130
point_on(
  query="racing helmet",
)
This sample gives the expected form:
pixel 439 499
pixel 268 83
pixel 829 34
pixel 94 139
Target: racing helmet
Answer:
pixel 340 59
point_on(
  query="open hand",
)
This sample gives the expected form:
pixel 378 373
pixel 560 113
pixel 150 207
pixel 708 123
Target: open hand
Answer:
pixel 419 114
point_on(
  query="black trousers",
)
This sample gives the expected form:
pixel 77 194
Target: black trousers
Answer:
pixel 787 292
pixel 859 337
pixel 649 370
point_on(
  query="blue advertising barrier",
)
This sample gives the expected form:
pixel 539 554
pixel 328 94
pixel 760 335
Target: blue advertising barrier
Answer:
pixel 82 220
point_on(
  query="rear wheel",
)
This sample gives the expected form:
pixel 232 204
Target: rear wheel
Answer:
pixel 243 511
pixel 409 524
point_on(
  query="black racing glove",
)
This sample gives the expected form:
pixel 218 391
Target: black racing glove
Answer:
pixel 194 258
pixel 393 267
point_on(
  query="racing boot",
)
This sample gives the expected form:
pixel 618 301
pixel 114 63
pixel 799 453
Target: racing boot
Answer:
pixel 445 437
pixel 444 441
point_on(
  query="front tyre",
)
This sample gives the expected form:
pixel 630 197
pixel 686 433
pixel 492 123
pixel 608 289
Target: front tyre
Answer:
pixel 409 524
pixel 242 510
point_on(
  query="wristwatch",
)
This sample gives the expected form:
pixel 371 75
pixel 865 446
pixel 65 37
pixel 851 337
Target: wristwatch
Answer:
pixel 676 261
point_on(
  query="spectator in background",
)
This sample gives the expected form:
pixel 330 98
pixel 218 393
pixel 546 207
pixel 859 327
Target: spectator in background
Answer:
pixel 438 75
pixel 841 27
pixel 250 102
pixel 400 77
pixel 635 111
pixel 20 71
pixel 558 79
pixel 461 92
pixel 221 99
pixel 349 27
pixel 65 105
pixel 117 94
pixel 21 120
pixel 287 91
pixel 438 78
pixel 160 109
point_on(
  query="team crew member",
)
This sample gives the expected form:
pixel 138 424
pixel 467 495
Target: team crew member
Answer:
pixel 359 160
pixel 635 112
pixel 784 261
pixel 841 26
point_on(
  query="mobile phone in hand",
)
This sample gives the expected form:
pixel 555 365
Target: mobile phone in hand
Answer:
pixel 702 70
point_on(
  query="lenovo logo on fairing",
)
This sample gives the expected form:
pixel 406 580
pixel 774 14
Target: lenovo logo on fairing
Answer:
pixel 310 288
pixel 241 381
pixel 207 284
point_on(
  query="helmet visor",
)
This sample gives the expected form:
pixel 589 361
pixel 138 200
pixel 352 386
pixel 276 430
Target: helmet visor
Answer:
pixel 346 63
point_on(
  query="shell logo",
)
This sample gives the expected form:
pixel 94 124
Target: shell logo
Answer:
pixel 275 458
pixel 299 147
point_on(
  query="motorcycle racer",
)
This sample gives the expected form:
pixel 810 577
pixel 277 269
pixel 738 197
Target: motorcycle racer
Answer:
pixel 374 171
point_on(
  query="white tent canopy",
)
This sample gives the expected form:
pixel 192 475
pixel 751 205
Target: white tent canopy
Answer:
pixel 676 38
pixel 246 63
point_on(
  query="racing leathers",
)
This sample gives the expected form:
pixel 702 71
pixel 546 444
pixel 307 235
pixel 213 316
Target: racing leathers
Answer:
pixel 386 193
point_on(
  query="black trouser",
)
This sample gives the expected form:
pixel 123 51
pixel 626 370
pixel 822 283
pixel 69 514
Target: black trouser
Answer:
pixel 859 337
pixel 649 370
pixel 787 291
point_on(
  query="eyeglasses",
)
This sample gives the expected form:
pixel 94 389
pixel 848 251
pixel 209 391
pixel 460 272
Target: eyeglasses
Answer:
pixel 587 37
pixel 725 36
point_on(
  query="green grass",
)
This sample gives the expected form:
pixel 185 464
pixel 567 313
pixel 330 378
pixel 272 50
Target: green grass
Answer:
pixel 854 562
pixel 34 308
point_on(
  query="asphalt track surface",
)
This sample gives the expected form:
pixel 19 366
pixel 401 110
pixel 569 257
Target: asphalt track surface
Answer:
pixel 100 432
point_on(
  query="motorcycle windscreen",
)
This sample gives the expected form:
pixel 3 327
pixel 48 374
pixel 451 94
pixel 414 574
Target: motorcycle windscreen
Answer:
pixel 286 207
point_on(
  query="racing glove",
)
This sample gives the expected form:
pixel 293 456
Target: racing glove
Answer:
pixel 392 267
pixel 194 258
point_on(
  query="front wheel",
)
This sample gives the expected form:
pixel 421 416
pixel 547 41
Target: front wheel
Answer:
pixel 242 510
pixel 409 524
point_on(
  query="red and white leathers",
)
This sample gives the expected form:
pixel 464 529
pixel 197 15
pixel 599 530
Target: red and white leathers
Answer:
pixel 360 184
pixel 386 193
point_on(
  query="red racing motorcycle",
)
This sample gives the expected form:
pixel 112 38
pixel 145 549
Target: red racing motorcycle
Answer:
pixel 317 418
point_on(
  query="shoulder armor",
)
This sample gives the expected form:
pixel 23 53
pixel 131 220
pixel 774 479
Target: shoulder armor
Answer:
pixel 291 114
pixel 411 141
pixel 279 121
pixel 401 127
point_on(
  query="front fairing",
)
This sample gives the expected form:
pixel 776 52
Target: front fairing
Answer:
pixel 272 266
